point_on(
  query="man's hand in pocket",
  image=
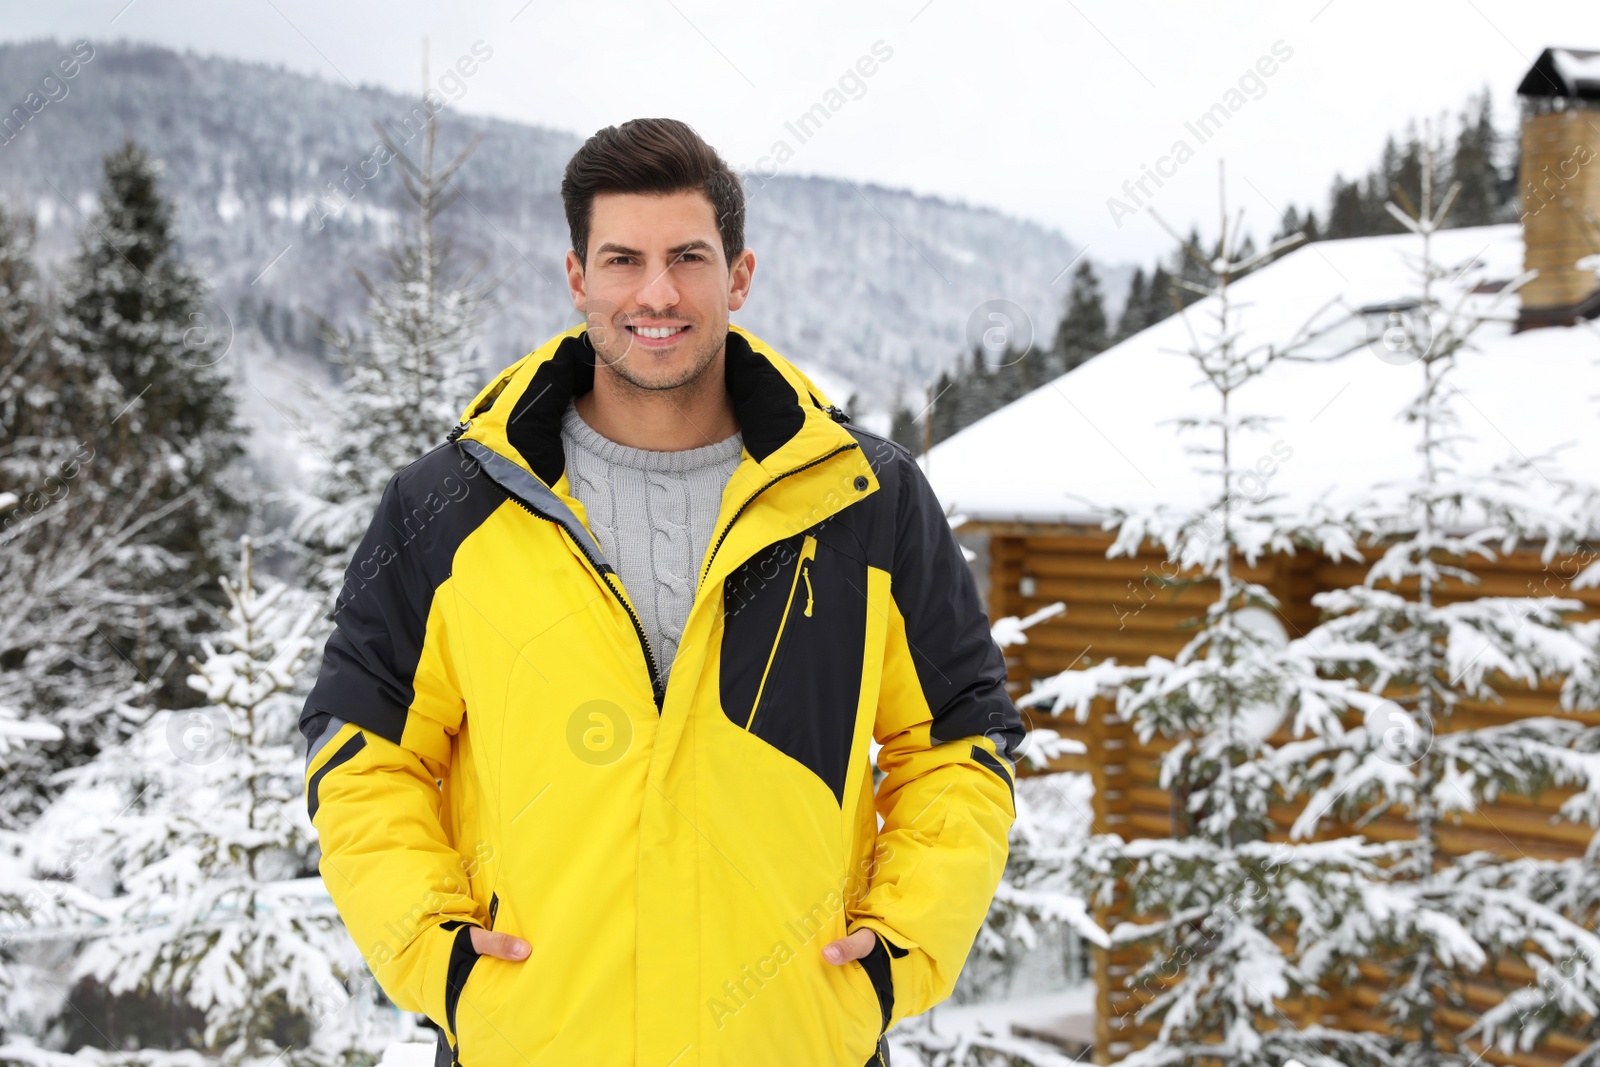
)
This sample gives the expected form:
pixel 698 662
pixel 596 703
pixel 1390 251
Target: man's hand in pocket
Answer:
pixel 851 947
pixel 506 947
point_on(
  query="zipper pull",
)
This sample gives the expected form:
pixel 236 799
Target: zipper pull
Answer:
pixel 808 552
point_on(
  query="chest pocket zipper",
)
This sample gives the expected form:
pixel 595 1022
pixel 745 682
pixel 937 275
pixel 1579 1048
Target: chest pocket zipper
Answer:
pixel 808 552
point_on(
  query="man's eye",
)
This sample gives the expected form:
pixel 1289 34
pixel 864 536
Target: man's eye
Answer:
pixel 691 255
pixel 616 259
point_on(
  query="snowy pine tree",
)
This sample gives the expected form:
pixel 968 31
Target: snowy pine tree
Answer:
pixel 1473 166
pixel 138 334
pixel 1421 652
pixel 1566 992
pixel 1128 322
pixel 1036 889
pixel 409 377
pixel 26 398
pixel 27 903
pixel 1034 894
pixel 59 682
pixel 1083 332
pixel 197 827
pixel 61 535
pixel 1231 922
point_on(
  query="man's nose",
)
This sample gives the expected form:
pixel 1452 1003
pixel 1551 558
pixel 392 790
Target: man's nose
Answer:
pixel 658 291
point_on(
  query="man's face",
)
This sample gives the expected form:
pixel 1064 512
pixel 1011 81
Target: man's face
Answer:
pixel 656 289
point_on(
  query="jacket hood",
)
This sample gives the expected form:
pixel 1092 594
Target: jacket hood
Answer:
pixel 785 419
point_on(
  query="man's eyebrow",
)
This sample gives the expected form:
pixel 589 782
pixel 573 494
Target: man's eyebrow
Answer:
pixel 612 246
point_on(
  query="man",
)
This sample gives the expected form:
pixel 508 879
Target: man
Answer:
pixel 538 840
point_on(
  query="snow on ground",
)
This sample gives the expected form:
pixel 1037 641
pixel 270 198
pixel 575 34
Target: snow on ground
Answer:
pixel 408 1054
pixel 1040 1011
pixel 1048 1029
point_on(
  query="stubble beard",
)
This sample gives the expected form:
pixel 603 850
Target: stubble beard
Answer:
pixel 706 349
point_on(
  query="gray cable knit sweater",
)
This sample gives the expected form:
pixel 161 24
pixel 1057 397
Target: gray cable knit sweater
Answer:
pixel 652 513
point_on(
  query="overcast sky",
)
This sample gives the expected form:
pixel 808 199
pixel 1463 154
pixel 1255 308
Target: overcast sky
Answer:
pixel 1040 109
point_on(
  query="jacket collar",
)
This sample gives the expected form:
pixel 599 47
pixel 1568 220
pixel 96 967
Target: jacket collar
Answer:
pixel 784 418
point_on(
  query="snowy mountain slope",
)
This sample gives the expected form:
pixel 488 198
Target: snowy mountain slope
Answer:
pixel 270 173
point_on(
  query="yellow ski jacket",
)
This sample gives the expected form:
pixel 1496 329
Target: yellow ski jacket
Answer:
pixel 489 745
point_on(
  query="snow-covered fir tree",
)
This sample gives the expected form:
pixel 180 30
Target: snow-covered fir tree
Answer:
pixel 137 331
pixel 200 844
pixel 409 376
pixel 60 534
pixel 1563 996
pixel 27 904
pixel 1035 891
pixel 26 399
pixel 1447 921
pixel 1231 921
pixel 1035 894
pixel 60 679
pixel 56 664
pixel 1084 331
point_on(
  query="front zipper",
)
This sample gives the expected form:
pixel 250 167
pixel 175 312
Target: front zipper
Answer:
pixel 751 499
pixel 808 551
pixel 657 690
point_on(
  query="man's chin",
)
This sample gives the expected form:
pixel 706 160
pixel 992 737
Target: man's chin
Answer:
pixel 654 373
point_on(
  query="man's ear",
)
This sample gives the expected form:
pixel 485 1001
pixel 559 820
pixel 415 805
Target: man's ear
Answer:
pixel 576 283
pixel 739 275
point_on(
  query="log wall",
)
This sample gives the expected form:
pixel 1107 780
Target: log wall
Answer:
pixel 1117 608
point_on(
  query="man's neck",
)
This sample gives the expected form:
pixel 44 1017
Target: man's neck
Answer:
pixel 661 420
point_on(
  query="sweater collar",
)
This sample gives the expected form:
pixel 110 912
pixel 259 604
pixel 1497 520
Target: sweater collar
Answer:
pixel 578 434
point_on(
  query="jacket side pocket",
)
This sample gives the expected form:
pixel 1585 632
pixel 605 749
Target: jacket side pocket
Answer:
pixel 463 957
pixel 876 964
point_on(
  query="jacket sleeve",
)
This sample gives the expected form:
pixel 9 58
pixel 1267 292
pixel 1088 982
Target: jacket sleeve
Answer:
pixel 948 732
pixel 379 723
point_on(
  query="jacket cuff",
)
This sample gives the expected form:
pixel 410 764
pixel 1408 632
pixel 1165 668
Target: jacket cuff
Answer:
pixel 887 960
pixel 463 957
pixel 877 967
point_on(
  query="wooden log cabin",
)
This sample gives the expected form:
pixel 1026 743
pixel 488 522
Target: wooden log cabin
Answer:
pixel 1035 479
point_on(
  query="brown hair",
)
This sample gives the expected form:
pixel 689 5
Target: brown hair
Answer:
pixel 651 156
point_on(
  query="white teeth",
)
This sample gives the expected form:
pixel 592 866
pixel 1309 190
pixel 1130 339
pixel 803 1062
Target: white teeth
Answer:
pixel 657 332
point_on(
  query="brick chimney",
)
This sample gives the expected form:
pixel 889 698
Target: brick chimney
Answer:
pixel 1560 187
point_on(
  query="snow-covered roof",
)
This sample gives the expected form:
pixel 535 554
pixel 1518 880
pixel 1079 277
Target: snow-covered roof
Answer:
pixel 1565 72
pixel 1094 437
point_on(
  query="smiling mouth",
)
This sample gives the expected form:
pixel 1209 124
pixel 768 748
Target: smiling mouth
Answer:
pixel 657 333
